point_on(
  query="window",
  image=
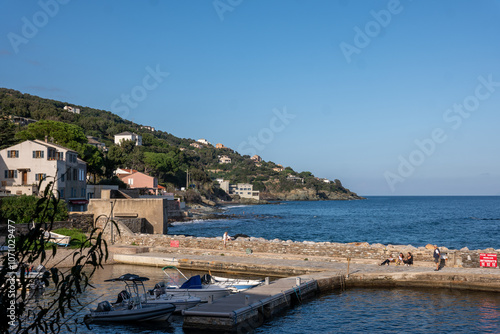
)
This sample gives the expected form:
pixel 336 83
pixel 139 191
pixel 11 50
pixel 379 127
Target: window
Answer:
pixel 131 181
pixel 82 193
pixel 61 193
pixel 81 175
pixel 38 154
pixel 11 174
pixel 71 157
pixel 75 174
pixel 62 177
pixel 40 177
pixel 12 154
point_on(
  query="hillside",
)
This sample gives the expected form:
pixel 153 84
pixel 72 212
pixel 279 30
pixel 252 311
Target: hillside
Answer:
pixel 161 154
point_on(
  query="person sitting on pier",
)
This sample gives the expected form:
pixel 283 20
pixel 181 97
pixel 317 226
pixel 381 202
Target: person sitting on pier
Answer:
pixel 408 260
pixel 391 259
pixel 400 259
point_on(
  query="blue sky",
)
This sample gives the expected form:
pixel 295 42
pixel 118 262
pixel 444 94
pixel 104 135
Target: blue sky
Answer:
pixel 390 97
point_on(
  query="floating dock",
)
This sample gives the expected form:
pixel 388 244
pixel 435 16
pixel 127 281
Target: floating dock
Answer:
pixel 245 311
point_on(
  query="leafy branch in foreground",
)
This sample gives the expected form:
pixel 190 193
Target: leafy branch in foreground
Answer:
pixel 20 311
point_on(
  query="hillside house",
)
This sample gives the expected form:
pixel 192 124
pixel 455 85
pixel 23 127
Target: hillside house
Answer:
pixel 224 159
pixel 256 158
pixel 138 180
pixel 26 168
pixel 244 190
pixel 128 136
pixel 72 110
pixel 196 145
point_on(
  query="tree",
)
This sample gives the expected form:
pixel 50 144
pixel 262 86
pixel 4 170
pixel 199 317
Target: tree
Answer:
pixel 67 135
pixel 18 313
pixel 7 131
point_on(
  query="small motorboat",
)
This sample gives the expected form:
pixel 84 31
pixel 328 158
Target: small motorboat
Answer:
pixel 235 284
pixel 130 306
pixel 191 287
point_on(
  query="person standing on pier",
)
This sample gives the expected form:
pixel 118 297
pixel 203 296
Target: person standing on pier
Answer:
pixel 225 238
pixel 437 257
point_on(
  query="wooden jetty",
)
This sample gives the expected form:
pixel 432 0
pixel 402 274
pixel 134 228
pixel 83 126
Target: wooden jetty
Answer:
pixel 245 311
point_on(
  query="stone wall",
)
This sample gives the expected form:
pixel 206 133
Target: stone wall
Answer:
pixel 379 252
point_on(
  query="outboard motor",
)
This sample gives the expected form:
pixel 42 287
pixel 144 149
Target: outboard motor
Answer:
pixel 158 289
pixel 104 306
pixel 123 295
pixel 206 279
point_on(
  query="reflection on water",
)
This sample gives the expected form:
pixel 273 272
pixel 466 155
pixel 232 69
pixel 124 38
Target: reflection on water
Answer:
pixel 353 311
pixel 393 311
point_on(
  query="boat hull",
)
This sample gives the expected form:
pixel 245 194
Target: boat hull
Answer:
pixel 148 312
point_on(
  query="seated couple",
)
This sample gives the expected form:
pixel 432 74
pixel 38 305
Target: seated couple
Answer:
pixel 408 260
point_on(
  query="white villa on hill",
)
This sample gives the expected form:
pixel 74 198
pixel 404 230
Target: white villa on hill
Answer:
pixel 128 136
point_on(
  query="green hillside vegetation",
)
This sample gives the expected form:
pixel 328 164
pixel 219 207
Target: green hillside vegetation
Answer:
pixel 162 154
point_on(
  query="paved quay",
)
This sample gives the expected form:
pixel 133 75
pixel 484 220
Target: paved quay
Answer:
pixel 359 272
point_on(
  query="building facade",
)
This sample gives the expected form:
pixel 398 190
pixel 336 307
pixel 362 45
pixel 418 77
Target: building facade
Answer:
pixel 128 136
pixel 244 190
pixel 28 167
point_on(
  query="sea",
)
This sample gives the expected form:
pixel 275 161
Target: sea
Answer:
pixel 453 222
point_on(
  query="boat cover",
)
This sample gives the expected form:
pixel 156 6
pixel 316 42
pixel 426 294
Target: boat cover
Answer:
pixel 194 282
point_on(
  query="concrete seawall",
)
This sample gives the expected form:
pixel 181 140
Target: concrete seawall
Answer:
pixel 306 250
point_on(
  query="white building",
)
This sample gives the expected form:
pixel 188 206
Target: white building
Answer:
pixel 28 167
pixel 224 159
pixel 128 136
pixel 203 141
pixel 244 190
pixel 72 110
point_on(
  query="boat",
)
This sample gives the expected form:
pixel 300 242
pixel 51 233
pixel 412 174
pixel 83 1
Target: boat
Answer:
pixel 191 287
pixel 235 284
pixel 56 238
pixel 179 301
pixel 131 305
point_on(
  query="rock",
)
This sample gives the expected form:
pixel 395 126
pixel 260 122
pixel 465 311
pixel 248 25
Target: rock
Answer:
pixel 429 246
pixel 465 249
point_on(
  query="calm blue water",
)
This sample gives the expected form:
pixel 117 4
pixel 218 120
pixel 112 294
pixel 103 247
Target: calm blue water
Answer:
pixel 454 222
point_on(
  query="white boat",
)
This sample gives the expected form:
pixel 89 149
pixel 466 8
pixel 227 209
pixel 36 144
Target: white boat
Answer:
pixel 180 302
pixel 191 287
pixel 235 284
pixel 132 307
pixel 59 239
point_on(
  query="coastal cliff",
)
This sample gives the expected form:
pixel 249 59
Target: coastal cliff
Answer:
pixel 308 194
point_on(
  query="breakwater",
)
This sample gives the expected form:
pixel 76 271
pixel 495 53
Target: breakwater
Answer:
pixel 306 249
